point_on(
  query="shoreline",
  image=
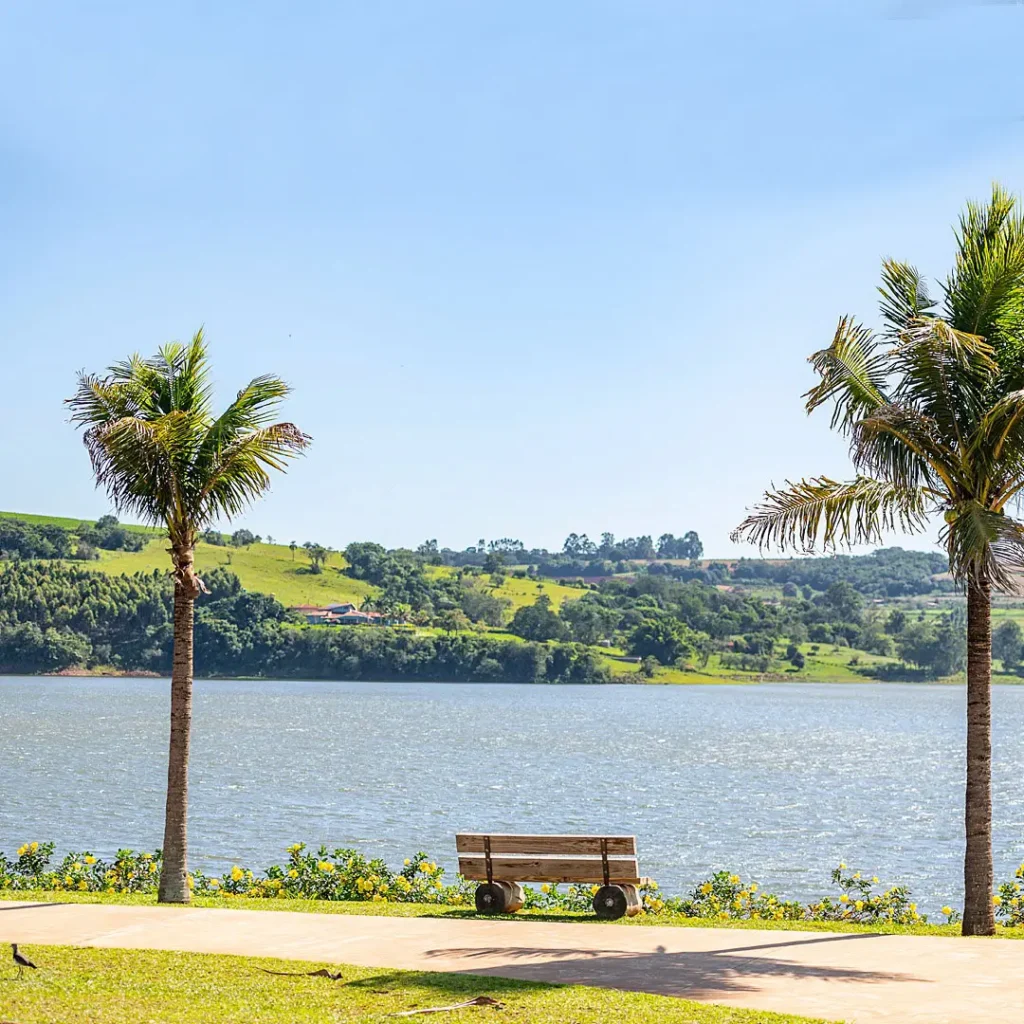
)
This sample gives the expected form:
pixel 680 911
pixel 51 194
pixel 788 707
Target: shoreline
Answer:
pixel 109 672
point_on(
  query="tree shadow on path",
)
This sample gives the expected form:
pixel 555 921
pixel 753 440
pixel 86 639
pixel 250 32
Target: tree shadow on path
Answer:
pixel 710 974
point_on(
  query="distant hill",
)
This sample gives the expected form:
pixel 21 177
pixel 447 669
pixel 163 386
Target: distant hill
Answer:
pixel 275 569
pixel 69 524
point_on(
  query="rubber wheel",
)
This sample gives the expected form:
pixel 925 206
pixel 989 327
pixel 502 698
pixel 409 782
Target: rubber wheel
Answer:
pixel 491 898
pixel 609 903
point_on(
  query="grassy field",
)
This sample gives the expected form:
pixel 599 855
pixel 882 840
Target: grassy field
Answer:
pixel 267 568
pixel 64 523
pixel 119 986
pixel 825 664
pixel 275 569
pixel 525 591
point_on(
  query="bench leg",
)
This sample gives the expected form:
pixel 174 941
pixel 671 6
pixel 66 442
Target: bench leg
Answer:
pixel 516 897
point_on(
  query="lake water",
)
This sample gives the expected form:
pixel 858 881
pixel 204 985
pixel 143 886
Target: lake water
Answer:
pixel 777 782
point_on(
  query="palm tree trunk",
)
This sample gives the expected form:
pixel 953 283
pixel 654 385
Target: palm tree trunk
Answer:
pixel 174 872
pixel 979 918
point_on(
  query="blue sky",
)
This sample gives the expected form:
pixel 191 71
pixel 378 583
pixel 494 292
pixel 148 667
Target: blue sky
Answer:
pixel 532 268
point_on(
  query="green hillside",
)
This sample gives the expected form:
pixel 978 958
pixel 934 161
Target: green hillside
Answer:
pixel 266 568
pixel 808 639
pixel 68 524
pixel 275 569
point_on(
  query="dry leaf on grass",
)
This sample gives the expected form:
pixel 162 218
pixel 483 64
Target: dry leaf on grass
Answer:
pixel 479 1001
pixel 322 973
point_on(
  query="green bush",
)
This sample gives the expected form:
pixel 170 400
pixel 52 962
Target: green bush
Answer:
pixel 346 874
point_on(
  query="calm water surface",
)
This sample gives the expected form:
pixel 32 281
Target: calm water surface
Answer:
pixel 778 782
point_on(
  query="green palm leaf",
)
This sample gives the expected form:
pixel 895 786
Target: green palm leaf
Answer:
pixel 822 511
pixel 853 372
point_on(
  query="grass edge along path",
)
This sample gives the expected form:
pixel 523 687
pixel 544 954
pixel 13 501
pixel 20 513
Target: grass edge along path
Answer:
pixel 370 909
pixel 83 985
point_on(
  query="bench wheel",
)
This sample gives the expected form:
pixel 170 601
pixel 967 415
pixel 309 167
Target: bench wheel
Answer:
pixel 491 898
pixel 610 902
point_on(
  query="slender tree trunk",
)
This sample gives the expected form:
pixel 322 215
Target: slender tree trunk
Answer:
pixel 979 917
pixel 174 872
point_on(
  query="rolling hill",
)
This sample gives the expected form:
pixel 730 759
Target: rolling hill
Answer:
pixel 275 569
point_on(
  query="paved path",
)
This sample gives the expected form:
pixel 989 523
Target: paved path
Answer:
pixel 861 978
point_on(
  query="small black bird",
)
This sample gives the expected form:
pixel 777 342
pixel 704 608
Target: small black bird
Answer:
pixel 21 960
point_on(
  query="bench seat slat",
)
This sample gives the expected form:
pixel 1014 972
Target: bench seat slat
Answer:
pixel 621 870
pixel 578 846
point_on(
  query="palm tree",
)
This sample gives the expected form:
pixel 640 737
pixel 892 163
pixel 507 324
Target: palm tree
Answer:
pixel 933 408
pixel 162 455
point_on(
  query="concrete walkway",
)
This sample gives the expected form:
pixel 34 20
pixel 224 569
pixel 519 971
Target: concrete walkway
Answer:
pixel 861 978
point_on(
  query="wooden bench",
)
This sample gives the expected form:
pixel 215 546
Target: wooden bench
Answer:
pixel 502 862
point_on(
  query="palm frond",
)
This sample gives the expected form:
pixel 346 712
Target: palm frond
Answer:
pixel 242 472
pixel 130 460
pixel 254 407
pixel 904 296
pixel 985 291
pixel 944 373
pixel 900 444
pixel 853 373
pixel 984 544
pixel 826 512
pixel 998 437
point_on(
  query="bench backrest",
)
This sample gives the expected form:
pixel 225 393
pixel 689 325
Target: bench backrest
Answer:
pixel 515 858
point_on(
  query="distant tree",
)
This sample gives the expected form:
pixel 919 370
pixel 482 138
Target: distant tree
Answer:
pixel 896 622
pixel 579 545
pixel 537 621
pixel 691 547
pixel 291 547
pixel 243 538
pixel 664 638
pixel 215 537
pixel 85 552
pixel 1008 644
pixel 481 606
pixel 842 602
pixel 317 555
pixel 494 562
pixel 452 620
pixel 644 548
pixel 270 540
pixel 587 620
pixel 430 553
pixel 789 589
pixel 109 534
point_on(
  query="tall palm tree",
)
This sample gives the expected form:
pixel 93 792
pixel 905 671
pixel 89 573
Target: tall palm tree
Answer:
pixel 162 455
pixel 933 408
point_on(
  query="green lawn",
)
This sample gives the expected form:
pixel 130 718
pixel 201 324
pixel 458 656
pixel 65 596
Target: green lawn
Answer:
pixel 119 986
